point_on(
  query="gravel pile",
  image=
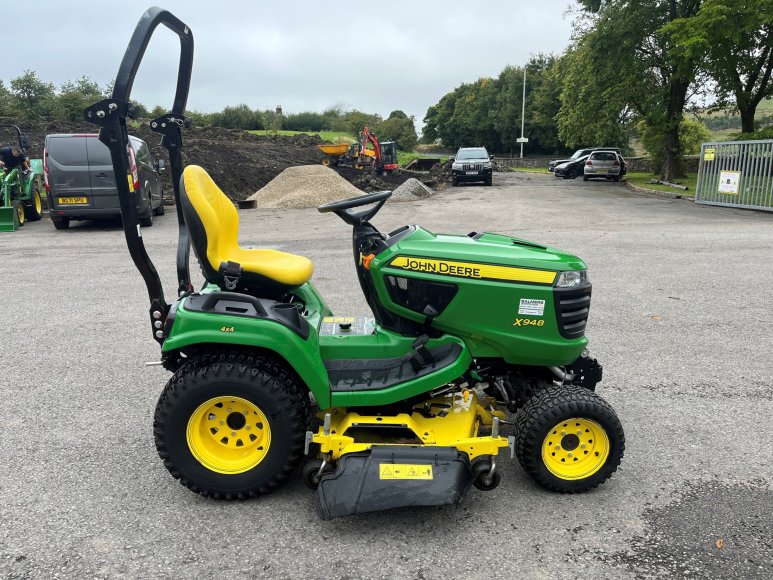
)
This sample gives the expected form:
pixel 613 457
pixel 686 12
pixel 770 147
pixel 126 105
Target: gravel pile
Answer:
pixel 411 190
pixel 304 186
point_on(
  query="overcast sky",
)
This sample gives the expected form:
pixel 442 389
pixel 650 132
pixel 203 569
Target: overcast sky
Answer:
pixel 303 55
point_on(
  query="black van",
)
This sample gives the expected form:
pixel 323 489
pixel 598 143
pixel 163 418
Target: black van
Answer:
pixel 80 183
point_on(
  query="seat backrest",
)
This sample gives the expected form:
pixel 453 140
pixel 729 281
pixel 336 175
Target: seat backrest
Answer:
pixel 211 218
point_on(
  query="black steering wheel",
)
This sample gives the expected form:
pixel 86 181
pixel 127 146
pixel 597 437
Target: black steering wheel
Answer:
pixel 355 218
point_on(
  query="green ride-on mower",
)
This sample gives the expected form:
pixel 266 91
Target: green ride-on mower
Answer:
pixel 471 335
pixel 20 192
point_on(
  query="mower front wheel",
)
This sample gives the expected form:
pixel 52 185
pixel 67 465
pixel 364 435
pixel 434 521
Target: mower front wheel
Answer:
pixel 231 425
pixel 569 439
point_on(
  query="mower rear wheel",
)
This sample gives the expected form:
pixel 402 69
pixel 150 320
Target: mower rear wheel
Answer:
pixel 569 439
pixel 34 209
pixel 231 425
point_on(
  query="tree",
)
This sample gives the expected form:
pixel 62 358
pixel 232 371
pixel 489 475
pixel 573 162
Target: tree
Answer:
pixel 6 101
pixel 631 64
pixel 76 96
pixel 692 134
pixel 398 127
pixel 589 114
pixel 33 99
pixel 488 111
pixel 306 121
pixel 356 120
pixel 239 117
pixel 733 40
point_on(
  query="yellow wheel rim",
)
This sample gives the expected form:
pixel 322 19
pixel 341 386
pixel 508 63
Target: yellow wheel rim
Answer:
pixel 20 213
pixel 38 203
pixel 575 449
pixel 229 435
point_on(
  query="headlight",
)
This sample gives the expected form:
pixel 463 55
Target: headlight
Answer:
pixel 572 279
pixel 456 166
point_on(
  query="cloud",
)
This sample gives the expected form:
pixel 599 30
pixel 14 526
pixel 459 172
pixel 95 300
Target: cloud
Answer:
pixel 302 55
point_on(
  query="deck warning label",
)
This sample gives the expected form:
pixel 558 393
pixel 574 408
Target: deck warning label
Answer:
pixel 404 471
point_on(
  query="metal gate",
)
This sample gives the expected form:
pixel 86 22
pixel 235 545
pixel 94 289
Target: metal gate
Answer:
pixel 736 174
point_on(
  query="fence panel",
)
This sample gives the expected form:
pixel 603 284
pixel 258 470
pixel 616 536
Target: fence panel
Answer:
pixel 736 174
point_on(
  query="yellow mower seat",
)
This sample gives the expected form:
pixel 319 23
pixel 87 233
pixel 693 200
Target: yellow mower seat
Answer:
pixel 213 225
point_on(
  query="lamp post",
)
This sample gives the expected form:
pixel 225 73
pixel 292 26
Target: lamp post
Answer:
pixel 523 109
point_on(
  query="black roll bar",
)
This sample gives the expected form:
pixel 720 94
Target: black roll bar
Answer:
pixel 110 114
pixel 22 144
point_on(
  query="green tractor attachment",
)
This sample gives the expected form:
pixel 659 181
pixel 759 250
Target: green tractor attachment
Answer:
pixel 21 197
pixel 474 350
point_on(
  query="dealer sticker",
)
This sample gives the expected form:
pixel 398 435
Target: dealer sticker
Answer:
pixel 531 307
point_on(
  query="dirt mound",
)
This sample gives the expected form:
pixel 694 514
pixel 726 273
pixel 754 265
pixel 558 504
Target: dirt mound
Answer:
pixel 304 186
pixel 439 176
pixel 238 161
pixel 411 190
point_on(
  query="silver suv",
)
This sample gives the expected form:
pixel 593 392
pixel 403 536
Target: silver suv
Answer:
pixel 471 164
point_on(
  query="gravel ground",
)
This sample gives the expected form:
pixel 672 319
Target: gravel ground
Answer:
pixel 682 320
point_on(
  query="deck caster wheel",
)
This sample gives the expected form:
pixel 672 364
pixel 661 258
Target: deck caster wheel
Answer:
pixel 483 478
pixel 311 472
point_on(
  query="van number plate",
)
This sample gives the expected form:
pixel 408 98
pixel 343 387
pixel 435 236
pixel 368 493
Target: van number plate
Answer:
pixel 72 200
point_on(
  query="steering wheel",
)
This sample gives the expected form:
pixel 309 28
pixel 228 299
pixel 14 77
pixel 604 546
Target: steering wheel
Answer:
pixel 342 208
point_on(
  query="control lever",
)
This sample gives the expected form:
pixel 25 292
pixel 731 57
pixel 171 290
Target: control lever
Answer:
pixel 421 356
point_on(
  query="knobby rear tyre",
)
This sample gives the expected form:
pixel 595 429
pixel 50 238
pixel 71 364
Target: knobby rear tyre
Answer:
pixel 259 382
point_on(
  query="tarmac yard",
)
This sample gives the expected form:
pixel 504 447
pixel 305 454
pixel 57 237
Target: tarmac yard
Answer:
pixel 681 319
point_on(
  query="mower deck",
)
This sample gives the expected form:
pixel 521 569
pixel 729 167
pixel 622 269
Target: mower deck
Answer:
pixel 454 420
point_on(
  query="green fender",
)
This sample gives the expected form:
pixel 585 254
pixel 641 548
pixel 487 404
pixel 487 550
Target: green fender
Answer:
pixel 196 328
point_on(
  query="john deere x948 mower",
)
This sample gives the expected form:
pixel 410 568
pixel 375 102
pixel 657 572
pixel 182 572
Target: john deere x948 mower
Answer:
pixel 407 407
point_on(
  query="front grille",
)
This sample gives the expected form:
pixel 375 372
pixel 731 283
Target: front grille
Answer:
pixel 472 167
pixel 572 307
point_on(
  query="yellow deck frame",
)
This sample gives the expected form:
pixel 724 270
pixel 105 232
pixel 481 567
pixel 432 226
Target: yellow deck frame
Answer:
pixel 457 421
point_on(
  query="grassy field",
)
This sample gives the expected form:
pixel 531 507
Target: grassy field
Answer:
pixel 332 136
pixel 531 169
pixel 405 157
pixel 642 180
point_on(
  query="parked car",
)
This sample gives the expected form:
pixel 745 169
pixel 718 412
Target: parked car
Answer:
pixel 471 164
pixel 582 153
pixel 553 163
pixel 604 164
pixel 80 182
pixel 571 169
